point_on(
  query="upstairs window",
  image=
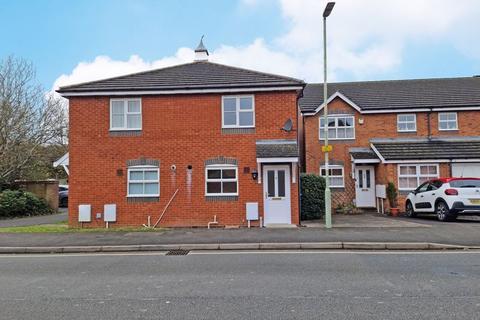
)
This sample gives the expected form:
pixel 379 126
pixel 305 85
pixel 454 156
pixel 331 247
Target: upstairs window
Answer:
pixel 221 180
pixel 447 121
pixel 339 127
pixel 406 123
pixel 125 114
pixel 143 181
pixel 238 112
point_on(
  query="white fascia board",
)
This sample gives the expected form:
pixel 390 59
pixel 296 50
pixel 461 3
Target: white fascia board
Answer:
pixel 360 161
pixel 63 161
pixel 409 110
pixel 337 94
pixel 465 160
pixel 413 161
pixel 377 153
pixel 273 160
pixel 165 92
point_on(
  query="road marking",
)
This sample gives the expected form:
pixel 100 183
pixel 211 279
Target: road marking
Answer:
pixel 238 252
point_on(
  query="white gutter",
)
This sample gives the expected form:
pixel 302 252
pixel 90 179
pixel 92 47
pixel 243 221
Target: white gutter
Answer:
pixel 165 92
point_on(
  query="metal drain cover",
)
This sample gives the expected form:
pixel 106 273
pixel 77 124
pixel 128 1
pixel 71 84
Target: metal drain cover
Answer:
pixel 177 252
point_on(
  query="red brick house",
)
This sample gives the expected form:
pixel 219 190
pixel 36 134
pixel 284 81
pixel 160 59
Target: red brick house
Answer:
pixel 200 141
pixel 404 132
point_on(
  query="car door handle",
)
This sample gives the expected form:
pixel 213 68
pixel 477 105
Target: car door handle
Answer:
pixel 421 196
pixel 433 194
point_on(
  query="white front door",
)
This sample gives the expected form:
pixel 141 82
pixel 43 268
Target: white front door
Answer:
pixel 276 188
pixel 365 186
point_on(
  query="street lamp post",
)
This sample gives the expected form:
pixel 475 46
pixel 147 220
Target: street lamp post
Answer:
pixel 328 196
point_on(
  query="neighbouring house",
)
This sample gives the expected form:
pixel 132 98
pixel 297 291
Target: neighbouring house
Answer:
pixel 405 132
pixel 199 142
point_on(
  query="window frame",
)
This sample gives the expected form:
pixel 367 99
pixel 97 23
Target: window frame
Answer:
pixel 221 180
pixel 334 166
pixel 407 122
pixel 142 169
pixel 446 121
pixel 238 111
pixel 417 174
pixel 125 114
pixel 336 127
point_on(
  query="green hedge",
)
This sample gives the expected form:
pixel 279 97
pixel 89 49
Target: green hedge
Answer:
pixel 17 203
pixel 312 196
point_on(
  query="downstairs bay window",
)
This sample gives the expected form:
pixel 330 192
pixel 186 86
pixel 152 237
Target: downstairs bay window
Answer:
pixel 221 180
pixel 410 176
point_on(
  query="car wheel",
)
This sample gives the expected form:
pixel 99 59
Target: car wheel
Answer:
pixel 409 212
pixel 442 211
pixel 64 202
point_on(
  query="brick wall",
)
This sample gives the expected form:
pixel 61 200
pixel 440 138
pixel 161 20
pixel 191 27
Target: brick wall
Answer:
pixel 374 126
pixel 179 130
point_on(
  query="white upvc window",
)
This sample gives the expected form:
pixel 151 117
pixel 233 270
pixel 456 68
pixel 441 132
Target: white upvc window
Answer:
pixel 238 111
pixel 126 114
pixel 336 175
pixel 410 176
pixel 406 122
pixel 221 180
pixel 447 121
pixel 143 181
pixel 340 127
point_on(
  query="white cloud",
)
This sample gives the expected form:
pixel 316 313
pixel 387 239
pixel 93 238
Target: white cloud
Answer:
pixel 366 39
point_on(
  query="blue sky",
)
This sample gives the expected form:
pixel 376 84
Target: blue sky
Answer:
pixel 376 40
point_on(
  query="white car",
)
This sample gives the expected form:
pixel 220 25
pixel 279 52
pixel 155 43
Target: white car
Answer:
pixel 445 197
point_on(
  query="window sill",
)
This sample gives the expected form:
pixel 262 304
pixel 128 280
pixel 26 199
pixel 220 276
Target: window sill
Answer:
pixel 142 199
pixel 125 133
pixel 221 198
pixel 239 130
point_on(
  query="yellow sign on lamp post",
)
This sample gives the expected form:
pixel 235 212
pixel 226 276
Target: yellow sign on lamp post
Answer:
pixel 327 148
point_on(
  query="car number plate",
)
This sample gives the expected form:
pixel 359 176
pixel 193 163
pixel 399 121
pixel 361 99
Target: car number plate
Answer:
pixel 475 201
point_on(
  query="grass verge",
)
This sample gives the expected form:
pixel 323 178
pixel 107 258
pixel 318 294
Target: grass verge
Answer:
pixel 63 227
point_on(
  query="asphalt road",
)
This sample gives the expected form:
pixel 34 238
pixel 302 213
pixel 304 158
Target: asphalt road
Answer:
pixel 281 285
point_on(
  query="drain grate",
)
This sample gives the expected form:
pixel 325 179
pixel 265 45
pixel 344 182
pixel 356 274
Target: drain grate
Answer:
pixel 177 252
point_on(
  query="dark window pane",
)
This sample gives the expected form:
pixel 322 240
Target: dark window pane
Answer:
pixel 281 183
pixel 228 173
pixel 271 183
pixel 367 174
pixel 214 187
pixel 349 122
pixel 360 178
pixel 214 174
pixel 229 187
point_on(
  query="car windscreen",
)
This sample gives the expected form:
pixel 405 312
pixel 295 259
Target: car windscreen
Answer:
pixel 465 183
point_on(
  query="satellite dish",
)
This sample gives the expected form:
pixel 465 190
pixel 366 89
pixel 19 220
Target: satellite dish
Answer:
pixel 288 125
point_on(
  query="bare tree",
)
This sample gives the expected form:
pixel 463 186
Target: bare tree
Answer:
pixel 29 118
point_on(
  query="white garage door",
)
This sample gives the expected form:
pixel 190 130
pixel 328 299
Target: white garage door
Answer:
pixel 467 170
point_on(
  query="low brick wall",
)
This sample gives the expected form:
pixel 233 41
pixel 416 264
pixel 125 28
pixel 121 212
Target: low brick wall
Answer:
pixel 45 189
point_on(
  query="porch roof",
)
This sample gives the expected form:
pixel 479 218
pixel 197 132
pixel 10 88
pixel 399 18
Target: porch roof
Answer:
pixel 285 149
pixel 442 149
pixel 363 155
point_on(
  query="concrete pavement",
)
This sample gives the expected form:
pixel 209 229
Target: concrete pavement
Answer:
pixel 241 285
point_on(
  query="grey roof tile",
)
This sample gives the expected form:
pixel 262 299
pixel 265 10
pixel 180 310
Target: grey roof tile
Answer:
pixel 424 149
pixel 399 94
pixel 195 75
pixel 277 149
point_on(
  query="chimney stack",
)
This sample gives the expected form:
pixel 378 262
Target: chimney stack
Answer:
pixel 201 53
